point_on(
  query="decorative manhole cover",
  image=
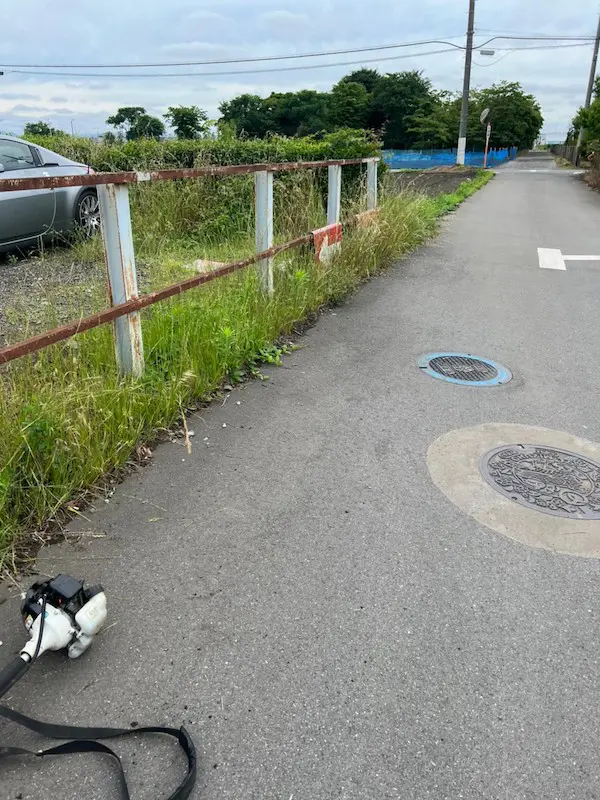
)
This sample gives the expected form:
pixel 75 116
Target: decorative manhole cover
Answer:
pixel 464 368
pixel 550 480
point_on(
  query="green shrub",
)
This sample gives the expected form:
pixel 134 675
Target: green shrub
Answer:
pixel 204 212
pixel 145 154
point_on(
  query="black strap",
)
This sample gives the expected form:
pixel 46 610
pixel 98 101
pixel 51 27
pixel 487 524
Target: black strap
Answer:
pixel 84 741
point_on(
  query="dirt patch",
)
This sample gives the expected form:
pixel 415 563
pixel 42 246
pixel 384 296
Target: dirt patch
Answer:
pixel 432 182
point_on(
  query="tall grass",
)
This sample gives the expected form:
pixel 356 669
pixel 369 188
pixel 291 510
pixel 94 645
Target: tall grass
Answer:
pixel 67 418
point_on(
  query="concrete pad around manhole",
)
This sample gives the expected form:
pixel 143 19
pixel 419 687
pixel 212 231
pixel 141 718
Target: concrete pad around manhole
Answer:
pixel 453 463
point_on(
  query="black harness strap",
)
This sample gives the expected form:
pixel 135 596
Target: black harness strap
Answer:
pixel 84 741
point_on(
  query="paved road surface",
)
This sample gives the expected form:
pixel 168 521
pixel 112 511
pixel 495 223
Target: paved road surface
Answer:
pixel 323 618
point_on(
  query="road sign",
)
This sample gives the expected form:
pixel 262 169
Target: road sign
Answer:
pixel 488 133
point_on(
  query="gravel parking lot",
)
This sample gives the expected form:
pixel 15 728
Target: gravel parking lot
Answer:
pixel 39 291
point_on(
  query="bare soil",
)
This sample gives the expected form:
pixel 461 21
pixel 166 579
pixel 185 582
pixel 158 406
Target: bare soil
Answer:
pixel 443 180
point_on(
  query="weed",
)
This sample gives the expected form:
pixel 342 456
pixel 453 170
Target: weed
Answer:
pixel 67 418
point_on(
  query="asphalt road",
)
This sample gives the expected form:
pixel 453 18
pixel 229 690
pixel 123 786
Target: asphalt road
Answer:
pixel 300 593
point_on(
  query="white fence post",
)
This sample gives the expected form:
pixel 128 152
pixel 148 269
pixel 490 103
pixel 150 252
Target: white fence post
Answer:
pixel 334 195
pixel 263 203
pixel 120 263
pixel 371 185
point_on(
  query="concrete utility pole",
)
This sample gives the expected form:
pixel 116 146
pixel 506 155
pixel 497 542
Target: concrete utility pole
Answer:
pixel 590 89
pixel 464 108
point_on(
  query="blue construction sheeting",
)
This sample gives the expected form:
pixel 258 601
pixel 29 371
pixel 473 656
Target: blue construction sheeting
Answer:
pixel 429 159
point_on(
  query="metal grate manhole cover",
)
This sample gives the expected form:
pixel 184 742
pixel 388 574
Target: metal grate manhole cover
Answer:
pixel 547 479
pixel 464 368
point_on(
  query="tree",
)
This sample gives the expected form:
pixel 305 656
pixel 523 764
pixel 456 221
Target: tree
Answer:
pixel 369 78
pixel 515 116
pixel 397 99
pixel 41 129
pixel 349 105
pixel 146 127
pixel 435 129
pixel 248 113
pixel 136 123
pixel 402 108
pixel 126 116
pixel 588 119
pixel 283 113
pixel 298 113
pixel 189 122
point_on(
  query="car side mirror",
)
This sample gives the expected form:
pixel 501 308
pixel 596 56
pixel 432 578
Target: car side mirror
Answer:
pixel 1 167
pixel 50 164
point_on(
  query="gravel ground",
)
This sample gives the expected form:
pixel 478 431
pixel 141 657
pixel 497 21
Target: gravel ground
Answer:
pixel 39 291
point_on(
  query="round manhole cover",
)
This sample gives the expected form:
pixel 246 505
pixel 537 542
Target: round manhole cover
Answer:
pixel 465 369
pixel 548 479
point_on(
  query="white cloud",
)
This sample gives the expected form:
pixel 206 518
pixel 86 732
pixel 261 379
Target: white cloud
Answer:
pixel 196 50
pixel 207 19
pixel 285 22
pixel 213 29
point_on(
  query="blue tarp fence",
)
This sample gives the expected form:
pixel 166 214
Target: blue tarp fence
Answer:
pixel 428 159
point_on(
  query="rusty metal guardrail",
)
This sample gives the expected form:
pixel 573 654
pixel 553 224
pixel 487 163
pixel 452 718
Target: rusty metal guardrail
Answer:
pixel 113 193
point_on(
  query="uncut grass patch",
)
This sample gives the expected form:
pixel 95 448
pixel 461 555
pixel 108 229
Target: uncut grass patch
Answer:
pixel 67 418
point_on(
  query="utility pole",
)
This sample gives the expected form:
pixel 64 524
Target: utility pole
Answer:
pixel 464 108
pixel 590 89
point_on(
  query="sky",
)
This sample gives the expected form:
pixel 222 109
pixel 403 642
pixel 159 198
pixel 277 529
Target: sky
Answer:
pixel 113 31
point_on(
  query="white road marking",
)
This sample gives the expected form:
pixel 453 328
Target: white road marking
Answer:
pixel 550 258
pixel 553 171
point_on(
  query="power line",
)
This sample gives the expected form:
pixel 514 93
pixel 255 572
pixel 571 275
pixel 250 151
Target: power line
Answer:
pixel 511 50
pixel 227 72
pixel 581 39
pixel 130 65
pixel 272 69
pixel 535 35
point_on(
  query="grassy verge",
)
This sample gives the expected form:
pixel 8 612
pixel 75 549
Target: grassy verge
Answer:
pixel 66 418
pixel 447 202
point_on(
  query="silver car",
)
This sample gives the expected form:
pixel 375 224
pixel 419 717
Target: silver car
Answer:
pixel 29 216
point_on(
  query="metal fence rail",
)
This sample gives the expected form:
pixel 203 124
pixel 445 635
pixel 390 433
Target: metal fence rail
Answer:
pixel 101 178
pixel 113 193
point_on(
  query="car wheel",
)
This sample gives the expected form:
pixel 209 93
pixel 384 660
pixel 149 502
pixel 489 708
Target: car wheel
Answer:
pixel 87 213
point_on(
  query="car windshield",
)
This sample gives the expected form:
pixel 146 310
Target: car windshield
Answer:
pixel 15 155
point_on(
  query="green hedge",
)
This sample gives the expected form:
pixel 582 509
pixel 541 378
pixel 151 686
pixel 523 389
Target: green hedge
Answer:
pixel 150 154
pixel 213 209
